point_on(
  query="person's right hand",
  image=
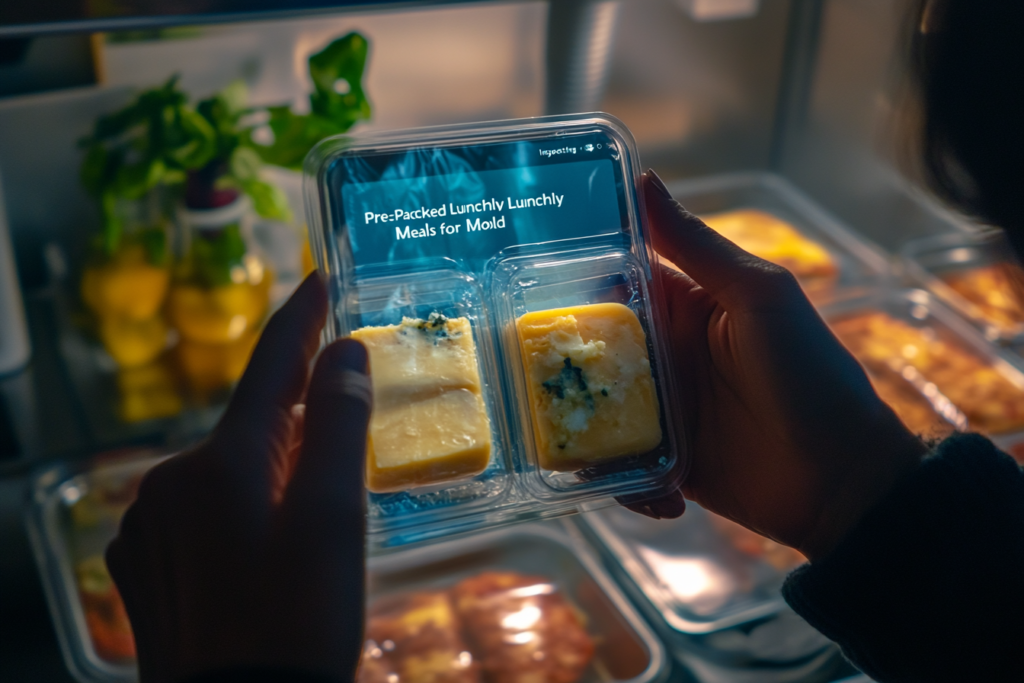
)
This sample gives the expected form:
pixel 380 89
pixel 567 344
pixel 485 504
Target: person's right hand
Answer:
pixel 786 436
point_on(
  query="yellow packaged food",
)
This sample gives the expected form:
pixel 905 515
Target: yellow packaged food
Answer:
pixel 429 421
pixel 589 385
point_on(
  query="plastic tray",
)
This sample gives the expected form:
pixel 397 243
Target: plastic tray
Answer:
pixel 928 259
pixel 467 223
pixel 59 548
pixel 695 579
pixel 922 310
pixel 627 649
pixel 860 263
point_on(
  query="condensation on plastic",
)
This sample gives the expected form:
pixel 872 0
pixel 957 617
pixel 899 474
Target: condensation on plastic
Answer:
pixel 577 272
pixel 945 330
pixel 859 264
pixel 931 260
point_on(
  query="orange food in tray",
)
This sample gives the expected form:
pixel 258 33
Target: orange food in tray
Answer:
pixel 775 240
pixel 992 403
pixel 522 629
pixel 105 615
pixel 994 290
pixel 415 639
pixel 910 406
pixel 494 627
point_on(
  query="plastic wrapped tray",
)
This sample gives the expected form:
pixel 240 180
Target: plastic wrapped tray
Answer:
pixel 693 576
pixel 932 261
pixel 626 648
pixel 997 413
pixel 858 262
pixel 75 512
pixel 714 603
pixel 73 515
pixel 499 273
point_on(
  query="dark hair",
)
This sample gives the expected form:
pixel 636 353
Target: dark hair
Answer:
pixel 968 62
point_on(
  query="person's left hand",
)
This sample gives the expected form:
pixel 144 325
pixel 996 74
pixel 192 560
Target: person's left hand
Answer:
pixel 248 550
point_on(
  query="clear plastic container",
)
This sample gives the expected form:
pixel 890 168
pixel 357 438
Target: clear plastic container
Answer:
pixel 533 560
pixel 74 513
pixel 914 334
pixel 495 271
pixel 851 261
pixel 711 590
pixel 975 275
pixel 695 577
pixel 539 569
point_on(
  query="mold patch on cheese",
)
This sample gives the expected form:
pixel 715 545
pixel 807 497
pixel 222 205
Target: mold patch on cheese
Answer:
pixel 590 391
pixel 429 422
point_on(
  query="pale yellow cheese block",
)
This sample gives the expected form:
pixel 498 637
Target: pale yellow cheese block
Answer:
pixel 429 422
pixel 589 385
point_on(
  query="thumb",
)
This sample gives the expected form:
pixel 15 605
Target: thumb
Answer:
pixel 732 276
pixel 327 487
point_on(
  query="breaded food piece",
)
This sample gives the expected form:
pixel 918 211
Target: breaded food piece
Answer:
pixel 415 639
pixel 522 629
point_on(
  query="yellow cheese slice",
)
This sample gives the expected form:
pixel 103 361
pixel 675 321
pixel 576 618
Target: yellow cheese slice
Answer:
pixel 589 385
pixel 429 422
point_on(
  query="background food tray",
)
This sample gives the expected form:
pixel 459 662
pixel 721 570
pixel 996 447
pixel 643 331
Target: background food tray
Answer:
pixel 921 309
pixel 627 650
pixel 928 258
pixel 860 263
pixel 695 579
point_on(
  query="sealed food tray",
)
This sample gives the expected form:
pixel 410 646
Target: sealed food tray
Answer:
pixel 74 515
pixel 931 342
pixel 500 277
pixel 855 262
pixel 972 274
pixel 625 647
pixel 693 576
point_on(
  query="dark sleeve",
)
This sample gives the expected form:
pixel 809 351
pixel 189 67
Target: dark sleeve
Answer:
pixel 930 585
pixel 257 674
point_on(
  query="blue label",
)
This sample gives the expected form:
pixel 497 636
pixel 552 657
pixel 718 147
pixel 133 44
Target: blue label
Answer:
pixel 471 215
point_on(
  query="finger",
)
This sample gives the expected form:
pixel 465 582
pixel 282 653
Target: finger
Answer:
pixel 277 373
pixel 712 261
pixel 328 482
pixel 671 506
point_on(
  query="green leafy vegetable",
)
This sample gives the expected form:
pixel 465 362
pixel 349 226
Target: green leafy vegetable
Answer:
pixel 336 104
pixel 159 138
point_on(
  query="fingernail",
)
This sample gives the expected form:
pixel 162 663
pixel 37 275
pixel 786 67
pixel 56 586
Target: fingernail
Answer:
pixel 658 184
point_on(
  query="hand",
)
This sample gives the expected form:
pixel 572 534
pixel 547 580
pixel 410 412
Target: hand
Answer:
pixel 248 550
pixel 786 435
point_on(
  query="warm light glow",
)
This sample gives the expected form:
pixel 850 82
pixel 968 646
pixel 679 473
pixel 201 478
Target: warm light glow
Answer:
pixel 692 580
pixel 522 620
pixel 237 326
pixel 520 638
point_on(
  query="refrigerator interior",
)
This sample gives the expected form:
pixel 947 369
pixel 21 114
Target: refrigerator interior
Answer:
pixel 806 91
